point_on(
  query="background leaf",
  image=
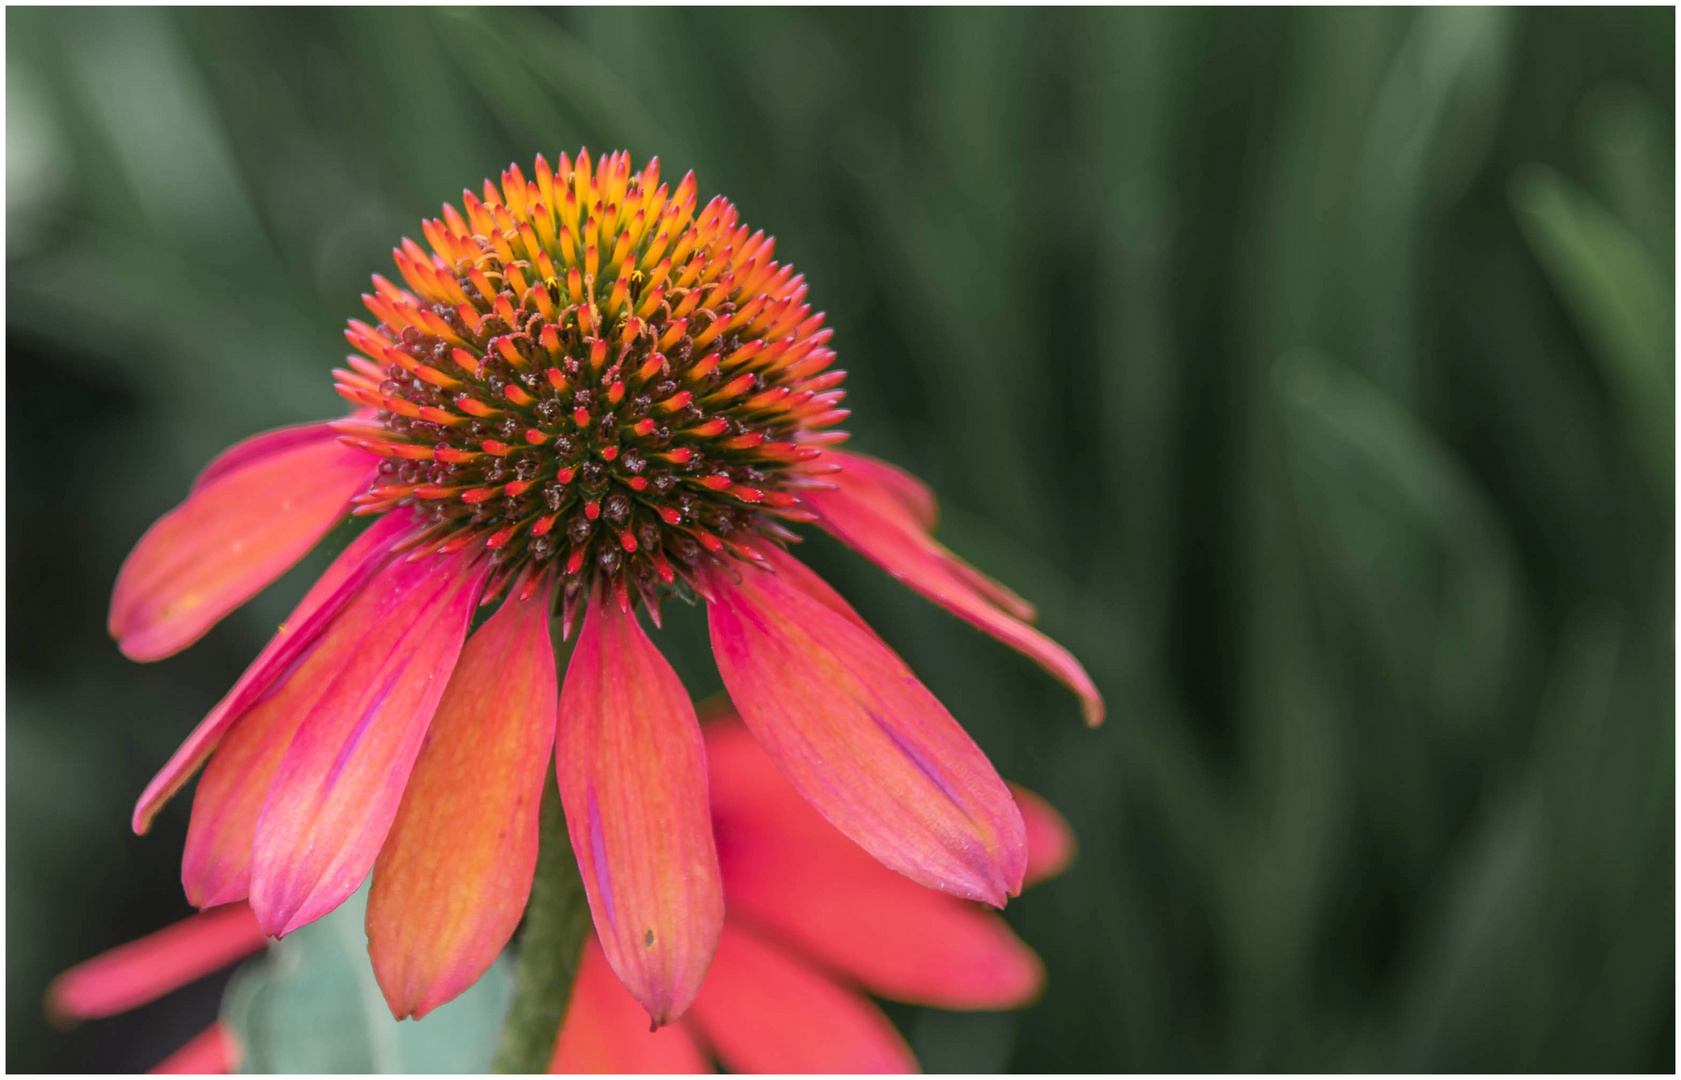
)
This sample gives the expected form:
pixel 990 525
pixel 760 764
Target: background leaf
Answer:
pixel 311 1005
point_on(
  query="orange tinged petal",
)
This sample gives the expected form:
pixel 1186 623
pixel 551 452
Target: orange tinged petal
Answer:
pixel 146 969
pixel 632 772
pixel 765 1012
pixel 453 877
pixel 338 786
pixel 254 513
pixel 790 873
pixel 216 862
pixel 876 521
pixel 606 1031
pixel 861 738
pixel 342 581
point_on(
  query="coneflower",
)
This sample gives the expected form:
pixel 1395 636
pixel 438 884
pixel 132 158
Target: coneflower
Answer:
pixel 592 394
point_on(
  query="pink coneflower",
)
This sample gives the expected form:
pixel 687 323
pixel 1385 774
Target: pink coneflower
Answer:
pixel 590 396
pixel 813 923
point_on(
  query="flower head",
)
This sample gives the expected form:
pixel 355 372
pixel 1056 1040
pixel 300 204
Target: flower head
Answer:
pixel 592 394
pixel 591 372
pixel 814 924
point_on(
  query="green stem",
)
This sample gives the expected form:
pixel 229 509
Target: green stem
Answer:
pixel 557 918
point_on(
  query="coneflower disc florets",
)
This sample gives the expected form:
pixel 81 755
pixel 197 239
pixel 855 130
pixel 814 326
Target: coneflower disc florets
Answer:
pixel 588 375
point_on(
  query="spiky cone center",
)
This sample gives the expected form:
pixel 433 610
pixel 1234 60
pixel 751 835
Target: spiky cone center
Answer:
pixel 589 376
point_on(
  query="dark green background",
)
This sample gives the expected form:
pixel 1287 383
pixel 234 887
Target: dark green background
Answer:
pixel 1312 370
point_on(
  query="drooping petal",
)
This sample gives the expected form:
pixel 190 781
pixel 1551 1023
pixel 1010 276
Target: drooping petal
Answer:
pixel 340 781
pixel 861 738
pixel 912 495
pixel 237 531
pixel 896 492
pixel 1050 842
pixel 213 1050
pixel 453 877
pixel 343 579
pixel 788 871
pixel 765 1012
pixel 606 1031
pixel 632 772
pixel 144 970
pixel 874 521
pixel 216 861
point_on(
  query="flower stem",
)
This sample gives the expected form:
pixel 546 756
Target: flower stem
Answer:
pixel 556 920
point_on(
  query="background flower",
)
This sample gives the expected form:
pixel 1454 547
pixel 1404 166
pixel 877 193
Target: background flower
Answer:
pixel 1298 364
pixel 811 924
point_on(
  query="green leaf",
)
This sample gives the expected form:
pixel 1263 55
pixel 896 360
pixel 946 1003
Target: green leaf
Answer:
pixel 1619 297
pixel 312 1005
pixel 1423 562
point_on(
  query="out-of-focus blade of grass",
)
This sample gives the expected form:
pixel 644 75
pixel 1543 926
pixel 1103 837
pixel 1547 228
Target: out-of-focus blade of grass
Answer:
pixel 1628 158
pixel 1563 940
pixel 137 85
pixel 1429 125
pixel 610 109
pixel 178 265
pixel 1138 61
pixel 37 162
pixel 1484 909
pixel 1443 612
pixel 1605 750
pixel 418 110
pixel 508 86
pixel 1416 602
pixel 1287 700
pixel 1621 299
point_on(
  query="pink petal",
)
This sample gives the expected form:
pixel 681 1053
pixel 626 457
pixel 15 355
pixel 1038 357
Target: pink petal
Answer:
pixel 861 738
pixel 453 877
pixel 216 861
pixel 873 520
pixel 632 772
pixel 213 1050
pixel 765 1012
pixel 898 493
pixel 606 1031
pixel 343 579
pixel 146 969
pixel 912 496
pixel 1050 842
pixel 338 786
pixel 788 871
pixel 242 526
pixel 251 451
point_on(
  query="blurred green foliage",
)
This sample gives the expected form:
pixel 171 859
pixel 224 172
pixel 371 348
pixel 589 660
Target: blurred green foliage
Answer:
pixel 1313 371
pixel 312 1005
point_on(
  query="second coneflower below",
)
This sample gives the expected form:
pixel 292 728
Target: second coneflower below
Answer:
pixel 814 925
